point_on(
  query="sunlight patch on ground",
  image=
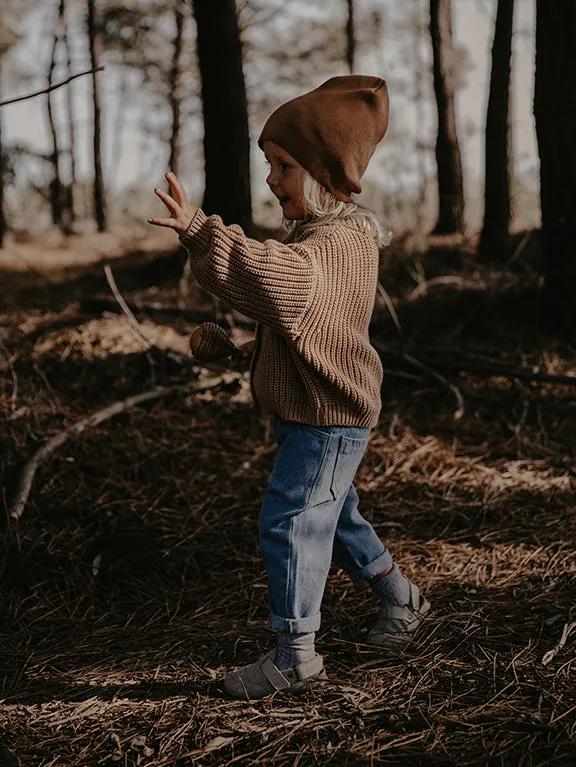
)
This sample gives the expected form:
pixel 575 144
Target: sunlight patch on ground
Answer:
pixel 54 255
pixel 499 565
pixel 107 335
pixel 431 460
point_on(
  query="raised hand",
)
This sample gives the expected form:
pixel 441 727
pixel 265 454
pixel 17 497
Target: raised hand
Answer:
pixel 181 210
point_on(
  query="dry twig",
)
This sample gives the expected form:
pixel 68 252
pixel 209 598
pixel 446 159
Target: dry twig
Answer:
pixel 132 321
pixel 422 289
pixel 383 293
pixel 50 89
pixel 551 654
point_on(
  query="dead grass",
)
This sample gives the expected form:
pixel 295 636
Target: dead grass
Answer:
pixel 134 582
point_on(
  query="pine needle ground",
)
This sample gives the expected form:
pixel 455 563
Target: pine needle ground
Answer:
pixel 133 581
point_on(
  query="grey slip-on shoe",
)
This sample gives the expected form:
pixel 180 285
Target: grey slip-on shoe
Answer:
pixel 263 678
pixel 396 625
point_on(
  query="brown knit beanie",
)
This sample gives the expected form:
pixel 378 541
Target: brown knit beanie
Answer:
pixel 333 130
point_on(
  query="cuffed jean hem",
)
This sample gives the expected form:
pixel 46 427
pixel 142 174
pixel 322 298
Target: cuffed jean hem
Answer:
pixel 295 625
pixel 374 568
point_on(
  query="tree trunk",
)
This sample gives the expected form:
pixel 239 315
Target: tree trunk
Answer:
pixel 70 115
pixel 498 145
pixel 123 101
pixel 555 113
pixel 56 196
pixel 226 135
pixel 420 149
pixel 176 93
pixel 2 173
pixel 450 181
pixel 350 38
pixel 100 210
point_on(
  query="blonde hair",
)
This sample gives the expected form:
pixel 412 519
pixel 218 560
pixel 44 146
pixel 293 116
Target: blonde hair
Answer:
pixel 324 208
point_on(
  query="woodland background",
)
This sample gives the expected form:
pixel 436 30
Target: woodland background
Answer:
pixel 131 477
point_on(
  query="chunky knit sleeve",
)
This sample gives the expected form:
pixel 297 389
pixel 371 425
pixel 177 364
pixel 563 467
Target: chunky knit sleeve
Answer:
pixel 268 281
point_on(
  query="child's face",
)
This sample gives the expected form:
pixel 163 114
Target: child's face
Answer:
pixel 285 179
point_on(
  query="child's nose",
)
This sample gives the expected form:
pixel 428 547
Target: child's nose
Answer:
pixel 271 179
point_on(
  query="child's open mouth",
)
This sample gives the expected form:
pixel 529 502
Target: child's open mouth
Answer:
pixel 283 200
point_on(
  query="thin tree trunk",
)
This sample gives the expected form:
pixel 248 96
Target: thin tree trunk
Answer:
pixel 555 113
pixel 100 208
pixel 56 196
pixel 226 136
pixel 2 172
pixel 176 92
pixel 70 115
pixel 350 38
pixel 123 108
pixel 449 161
pixel 419 147
pixel 498 145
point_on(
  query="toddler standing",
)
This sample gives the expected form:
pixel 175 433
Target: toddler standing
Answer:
pixel 313 368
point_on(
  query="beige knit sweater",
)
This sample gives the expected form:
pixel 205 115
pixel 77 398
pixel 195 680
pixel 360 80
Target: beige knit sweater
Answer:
pixel 313 300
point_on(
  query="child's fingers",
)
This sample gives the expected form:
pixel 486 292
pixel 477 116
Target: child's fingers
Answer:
pixel 176 188
pixel 170 222
pixel 168 201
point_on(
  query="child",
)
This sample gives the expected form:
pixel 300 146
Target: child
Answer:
pixel 313 368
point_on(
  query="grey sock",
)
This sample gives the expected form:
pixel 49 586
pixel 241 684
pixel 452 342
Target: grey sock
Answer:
pixel 392 588
pixel 294 649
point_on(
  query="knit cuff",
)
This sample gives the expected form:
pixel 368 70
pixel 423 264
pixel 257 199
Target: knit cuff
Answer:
pixel 194 227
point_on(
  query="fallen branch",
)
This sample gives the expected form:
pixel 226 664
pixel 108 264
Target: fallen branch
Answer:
pixel 422 288
pixel 51 88
pixel 463 361
pixel 491 369
pixel 94 419
pixel 566 631
pixel 459 412
pixel 383 349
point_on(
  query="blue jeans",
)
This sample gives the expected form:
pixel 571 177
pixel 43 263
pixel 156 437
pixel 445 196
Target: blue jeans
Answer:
pixel 310 518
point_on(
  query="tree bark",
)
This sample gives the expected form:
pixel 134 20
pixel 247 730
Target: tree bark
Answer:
pixel 448 159
pixel 100 207
pixel 56 195
pixel 351 38
pixel 176 92
pixel 498 144
pixel 2 173
pixel 419 142
pixel 555 114
pixel 226 134
pixel 70 116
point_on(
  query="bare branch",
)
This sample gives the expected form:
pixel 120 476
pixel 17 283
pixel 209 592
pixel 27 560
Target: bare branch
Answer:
pixel 390 306
pixel 94 419
pixel 132 321
pixel 51 88
pixel 459 412
pixel 463 361
pixel 551 654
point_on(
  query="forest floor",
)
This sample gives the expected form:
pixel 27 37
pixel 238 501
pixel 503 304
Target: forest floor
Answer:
pixel 132 581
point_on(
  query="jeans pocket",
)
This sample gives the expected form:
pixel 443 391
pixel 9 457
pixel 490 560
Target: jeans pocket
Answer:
pixel 350 452
pixel 320 431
